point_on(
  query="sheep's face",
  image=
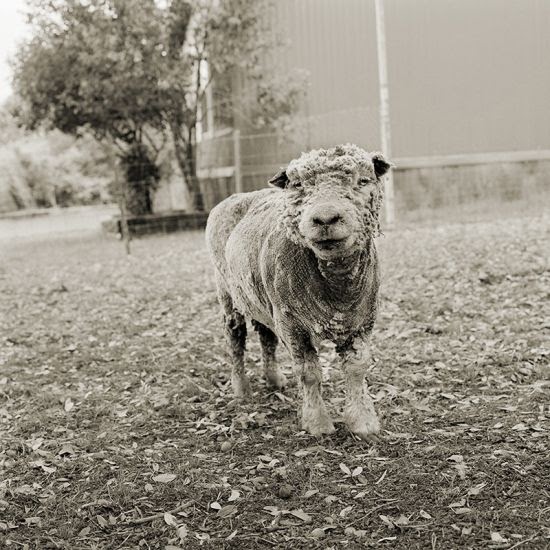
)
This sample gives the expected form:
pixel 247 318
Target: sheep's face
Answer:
pixel 333 199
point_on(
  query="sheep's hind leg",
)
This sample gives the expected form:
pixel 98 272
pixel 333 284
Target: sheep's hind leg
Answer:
pixel 235 333
pixel 269 341
pixel 359 413
pixel 235 330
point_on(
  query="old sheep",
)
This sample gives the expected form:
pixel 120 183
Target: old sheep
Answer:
pixel 299 260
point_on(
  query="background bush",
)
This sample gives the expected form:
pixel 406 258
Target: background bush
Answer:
pixel 44 169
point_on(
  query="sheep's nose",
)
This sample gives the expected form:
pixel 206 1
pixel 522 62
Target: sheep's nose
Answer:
pixel 326 217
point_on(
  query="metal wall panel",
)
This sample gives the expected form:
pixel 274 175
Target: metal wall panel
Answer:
pixel 334 40
pixel 466 76
pixel 469 75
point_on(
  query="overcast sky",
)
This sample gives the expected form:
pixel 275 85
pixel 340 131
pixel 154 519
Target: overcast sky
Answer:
pixel 12 30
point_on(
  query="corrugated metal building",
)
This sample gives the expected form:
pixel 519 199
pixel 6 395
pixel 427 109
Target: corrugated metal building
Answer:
pixel 467 78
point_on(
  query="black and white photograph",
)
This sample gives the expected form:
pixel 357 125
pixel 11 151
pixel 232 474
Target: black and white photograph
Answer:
pixel 275 274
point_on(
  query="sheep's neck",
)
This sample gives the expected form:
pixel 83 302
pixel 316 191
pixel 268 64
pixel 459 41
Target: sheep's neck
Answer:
pixel 346 275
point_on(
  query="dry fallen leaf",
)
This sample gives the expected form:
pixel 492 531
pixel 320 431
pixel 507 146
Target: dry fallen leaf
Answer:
pixel 170 519
pixel 345 511
pixel 497 537
pixel 387 521
pixel 318 533
pixel 102 521
pixel 345 469
pixel 476 489
pixel 233 496
pixel 165 478
pixel 182 531
pixel 226 511
pixel 302 452
pixel 300 514
pixel 67 449
pixel 521 427
pixel 459 465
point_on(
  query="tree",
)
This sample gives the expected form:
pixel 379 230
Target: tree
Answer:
pixel 90 67
pixel 135 72
pixel 211 40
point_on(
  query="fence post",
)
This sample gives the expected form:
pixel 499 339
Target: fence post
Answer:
pixel 385 129
pixel 122 198
pixel 237 161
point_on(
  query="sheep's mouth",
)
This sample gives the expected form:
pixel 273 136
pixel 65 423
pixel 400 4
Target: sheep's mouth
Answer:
pixel 330 244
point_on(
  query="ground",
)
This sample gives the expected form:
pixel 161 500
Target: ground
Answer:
pixel 119 430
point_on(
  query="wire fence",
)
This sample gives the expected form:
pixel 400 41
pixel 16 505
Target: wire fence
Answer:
pixel 427 189
pixel 458 188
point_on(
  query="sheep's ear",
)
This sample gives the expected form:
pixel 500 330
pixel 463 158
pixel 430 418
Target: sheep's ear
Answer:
pixel 280 179
pixel 381 165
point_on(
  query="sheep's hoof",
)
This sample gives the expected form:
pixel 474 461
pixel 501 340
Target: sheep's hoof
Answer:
pixel 368 437
pixel 317 422
pixel 241 386
pixel 276 379
pixel 366 430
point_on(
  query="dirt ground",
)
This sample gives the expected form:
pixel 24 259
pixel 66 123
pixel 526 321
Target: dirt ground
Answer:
pixel 118 428
pixel 53 222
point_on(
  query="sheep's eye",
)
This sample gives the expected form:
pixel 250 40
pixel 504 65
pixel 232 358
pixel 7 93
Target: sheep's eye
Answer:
pixel 297 185
pixel 364 181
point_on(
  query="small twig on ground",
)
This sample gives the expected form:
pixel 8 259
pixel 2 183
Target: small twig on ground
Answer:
pixel 54 543
pixel 371 511
pixel 100 502
pixel 160 515
pixel 257 537
pixel 523 541
pixel 121 544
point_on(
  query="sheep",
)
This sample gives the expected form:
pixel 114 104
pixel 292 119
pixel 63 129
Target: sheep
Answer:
pixel 299 260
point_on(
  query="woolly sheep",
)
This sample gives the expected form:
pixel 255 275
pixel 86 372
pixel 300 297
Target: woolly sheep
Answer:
pixel 299 260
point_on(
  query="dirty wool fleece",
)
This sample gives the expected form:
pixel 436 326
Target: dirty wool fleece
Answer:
pixel 299 260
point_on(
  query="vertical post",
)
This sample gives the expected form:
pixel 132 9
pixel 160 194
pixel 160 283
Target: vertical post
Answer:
pixel 121 192
pixel 237 161
pixel 385 129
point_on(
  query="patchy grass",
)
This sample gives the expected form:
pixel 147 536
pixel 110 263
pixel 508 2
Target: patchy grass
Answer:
pixel 119 430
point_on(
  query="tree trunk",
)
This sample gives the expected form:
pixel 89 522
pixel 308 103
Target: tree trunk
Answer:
pixel 142 176
pixel 186 157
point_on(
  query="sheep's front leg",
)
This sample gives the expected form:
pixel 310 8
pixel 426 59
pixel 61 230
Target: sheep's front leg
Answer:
pixel 315 418
pixel 359 413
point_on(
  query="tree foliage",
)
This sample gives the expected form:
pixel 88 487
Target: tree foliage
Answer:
pixel 135 72
pixel 89 65
pixel 94 67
